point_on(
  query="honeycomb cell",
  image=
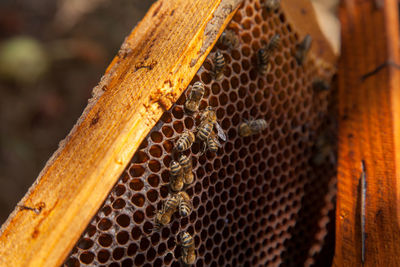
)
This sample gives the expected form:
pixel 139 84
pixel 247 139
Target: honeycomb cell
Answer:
pixel 105 240
pixel 136 184
pixel 122 237
pixel 119 203
pixel 138 216
pixel 136 170
pixel 103 256
pixel 87 257
pixel 156 137
pixel 258 201
pixel 140 157
pixel 155 151
pixel 118 253
pixel 154 165
pixel 167 131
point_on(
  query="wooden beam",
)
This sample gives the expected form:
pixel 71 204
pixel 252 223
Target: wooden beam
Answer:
pixel 367 226
pixel 302 15
pixel 155 64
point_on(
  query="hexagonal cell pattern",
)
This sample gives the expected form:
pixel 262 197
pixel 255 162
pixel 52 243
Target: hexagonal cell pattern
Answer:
pixel 262 200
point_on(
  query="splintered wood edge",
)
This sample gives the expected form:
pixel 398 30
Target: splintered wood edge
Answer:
pixel 154 66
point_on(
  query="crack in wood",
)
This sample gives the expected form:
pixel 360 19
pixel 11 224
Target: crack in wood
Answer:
pixel 379 68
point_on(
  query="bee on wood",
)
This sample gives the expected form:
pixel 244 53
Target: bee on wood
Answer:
pixel 185 205
pixel 186 163
pixel 188 251
pixel 302 49
pixel 264 54
pixel 272 5
pixel 176 174
pixel 229 39
pixel 219 65
pixel 208 120
pixel 252 127
pixel 196 94
pixel 163 216
pixel 320 85
pixel 185 141
pixel 212 143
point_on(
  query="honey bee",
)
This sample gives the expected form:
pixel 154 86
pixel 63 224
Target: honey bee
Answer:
pixel 264 66
pixel 252 127
pixel 208 120
pixel 324 148
pixel 229 38
pixel 196 94
pixel 188 251
pixel 176 174
pixel 219 65
pixel 185 141
pixel 264 54
pixel 204 130
pixel 163 216
pixel 186 163
pixel 320 85
pixel 272 5
pixel 212 143
pixel 302 49
pixel 184 206
pixel 274 43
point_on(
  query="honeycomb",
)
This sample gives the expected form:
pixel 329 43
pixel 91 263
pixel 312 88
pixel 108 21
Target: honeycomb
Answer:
pixel 262 200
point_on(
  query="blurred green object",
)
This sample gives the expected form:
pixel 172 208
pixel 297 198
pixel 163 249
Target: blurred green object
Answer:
pixel 22 59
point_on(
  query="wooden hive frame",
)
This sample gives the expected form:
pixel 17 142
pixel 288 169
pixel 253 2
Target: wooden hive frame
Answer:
pixel 155 64
pixel 367 217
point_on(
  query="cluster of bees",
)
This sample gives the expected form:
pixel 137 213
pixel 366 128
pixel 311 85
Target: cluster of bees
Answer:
pixel 181 172
pixel 208 132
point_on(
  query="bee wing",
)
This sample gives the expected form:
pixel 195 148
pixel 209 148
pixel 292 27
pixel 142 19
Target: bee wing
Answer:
pixel 220 132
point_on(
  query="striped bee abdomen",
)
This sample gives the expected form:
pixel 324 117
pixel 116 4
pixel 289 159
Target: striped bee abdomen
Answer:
pixel 176 179
pixel 204 131
pixel 185 207
pixel 264 66
pixel 274 43
pixel 186 240
pixel 258 125
pixel 185 141
pixel 186 163
pixel 219 65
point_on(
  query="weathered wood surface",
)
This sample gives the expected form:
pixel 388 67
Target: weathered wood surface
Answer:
pixel 369 135
pixel 155 64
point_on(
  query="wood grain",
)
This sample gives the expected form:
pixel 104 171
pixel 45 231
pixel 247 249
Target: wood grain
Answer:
pixel 369 132
pixel 155 64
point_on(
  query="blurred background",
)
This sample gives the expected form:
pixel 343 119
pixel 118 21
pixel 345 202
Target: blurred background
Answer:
pixel 52 53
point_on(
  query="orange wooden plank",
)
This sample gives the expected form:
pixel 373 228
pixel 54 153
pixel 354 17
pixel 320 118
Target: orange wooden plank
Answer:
pixel 368 134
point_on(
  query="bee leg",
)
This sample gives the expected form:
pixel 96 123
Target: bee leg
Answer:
pixel 204 148
pixel 156 228
pixel 182 263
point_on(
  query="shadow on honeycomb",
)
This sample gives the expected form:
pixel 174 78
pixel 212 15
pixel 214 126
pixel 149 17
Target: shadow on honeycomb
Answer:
pixel 263 200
